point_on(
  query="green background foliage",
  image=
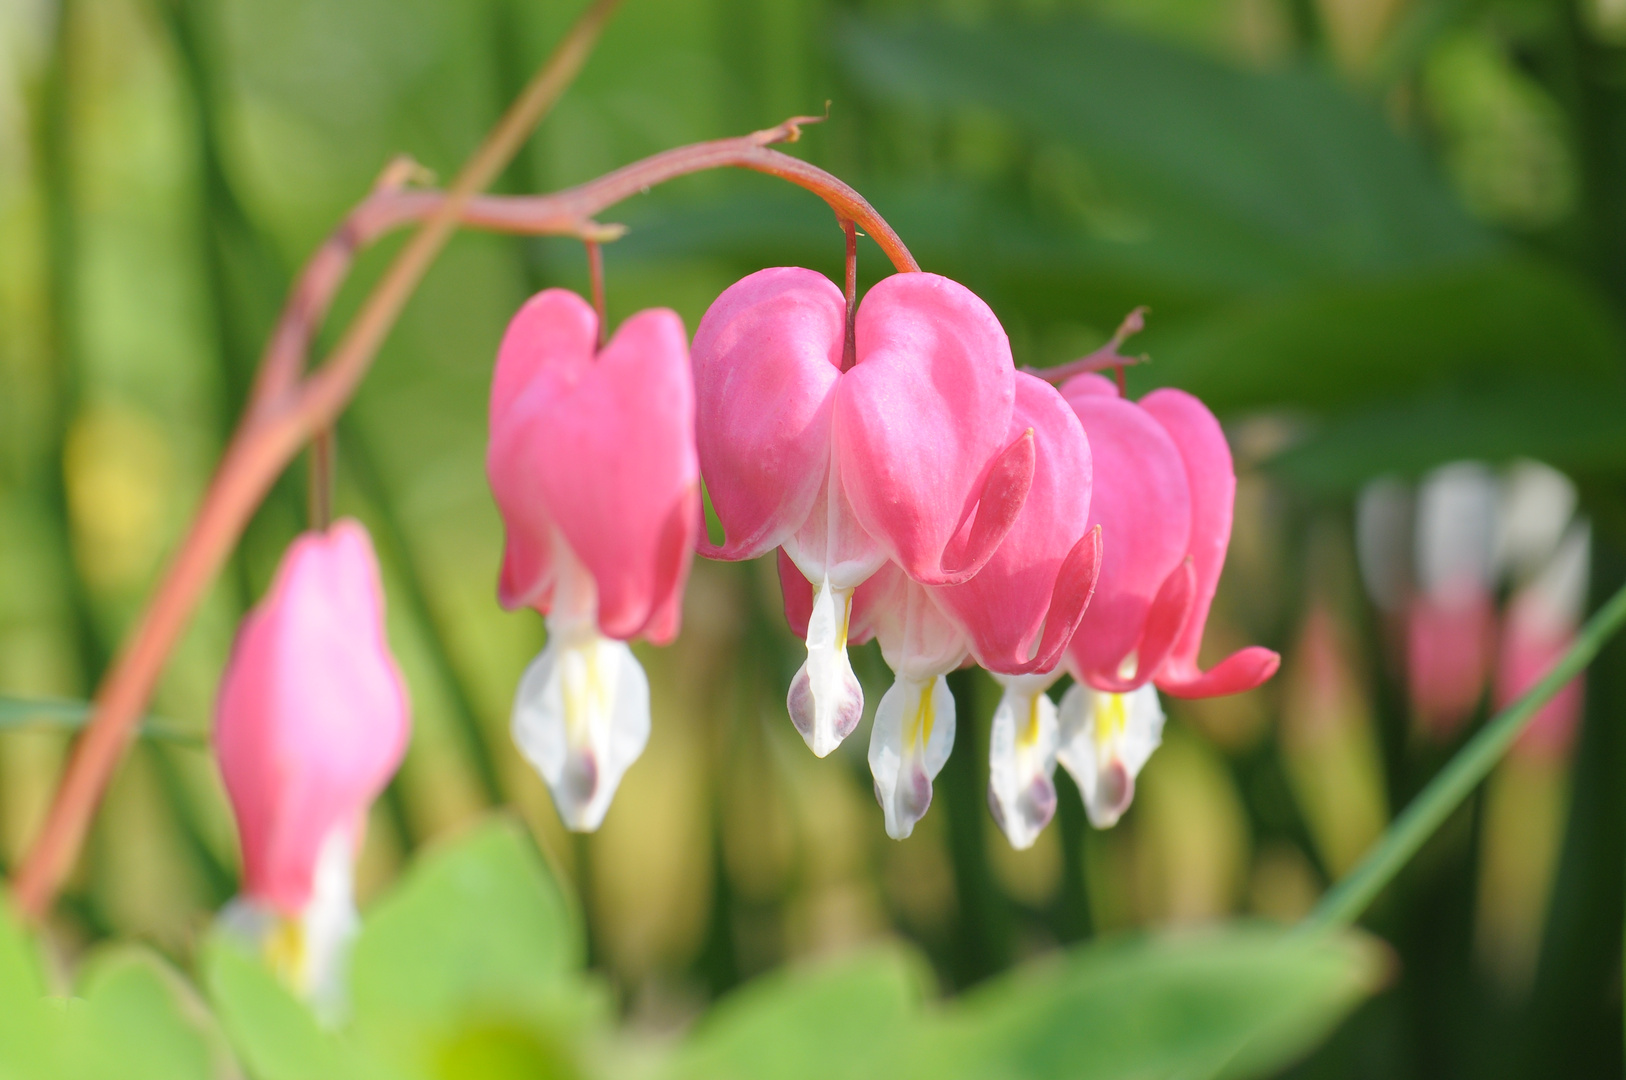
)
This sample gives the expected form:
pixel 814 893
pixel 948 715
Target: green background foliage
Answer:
pixel 1374 236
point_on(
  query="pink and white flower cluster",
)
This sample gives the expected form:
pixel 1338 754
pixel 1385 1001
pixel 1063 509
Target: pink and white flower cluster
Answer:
pixel 918 490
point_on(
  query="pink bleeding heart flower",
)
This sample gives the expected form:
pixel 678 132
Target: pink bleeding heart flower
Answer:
pixel 1540 627
pixel 1014 617
pixel 905 457
pixel 1451 621
pixel 1165 492
pixel 311 722
pixel 1021 610
pixel 592 463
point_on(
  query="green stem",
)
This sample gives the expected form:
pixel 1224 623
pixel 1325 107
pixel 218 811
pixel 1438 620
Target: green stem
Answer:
pixel 1350 897
pixel 19 713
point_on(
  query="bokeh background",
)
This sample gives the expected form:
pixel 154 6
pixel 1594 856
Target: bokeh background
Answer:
pixel 1377 236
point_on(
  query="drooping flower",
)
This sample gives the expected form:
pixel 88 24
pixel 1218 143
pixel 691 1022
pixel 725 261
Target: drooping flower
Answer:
pixel 1014 617
pixel 312 720
pixel 905 457
pixel 1165 492
pixel 592 463
pixel 1021 610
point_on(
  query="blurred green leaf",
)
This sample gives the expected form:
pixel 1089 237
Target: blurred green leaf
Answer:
pixel 1575 426
pixel 1270 175
pixel 1330 346
pixel 1248 1000
pixel 140 1018
pixel 840 1018
pixel 276 1036
pixel 24 1016
pixel 475 956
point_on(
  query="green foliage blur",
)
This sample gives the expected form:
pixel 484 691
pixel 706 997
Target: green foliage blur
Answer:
pixel 1375 235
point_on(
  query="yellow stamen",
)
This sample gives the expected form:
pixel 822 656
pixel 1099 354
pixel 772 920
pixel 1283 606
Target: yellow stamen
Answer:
pixel 585 691
pixel 846 617
pixel 284 951
pixel 1111 717
pixel 920 725
pixel 1030 734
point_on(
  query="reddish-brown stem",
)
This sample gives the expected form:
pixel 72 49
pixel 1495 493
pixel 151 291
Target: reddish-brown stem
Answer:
pixel 288 407
pixel 849 342
pixel 1105 358
pixel 323 464
pixel 595 282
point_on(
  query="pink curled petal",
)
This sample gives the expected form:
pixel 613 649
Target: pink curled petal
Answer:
pixel 1167 620
pixel 612 449
pixel 1075 585
pixel 1207 458
pixel 1142 502
pixel 1243 670
pixel 767 356
pixel 1019 591
pixel 675 554
pixel 1089 385
pixel 526 577
pixel 920 417
pixel 798 594
pixel 999 503
pixel 312 718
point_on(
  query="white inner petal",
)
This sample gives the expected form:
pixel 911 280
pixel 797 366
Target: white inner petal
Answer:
pixel 1105 741
pixel 1022 758
pixel 825 700
pixel 910 742
pixel 581 714
pixel 308 952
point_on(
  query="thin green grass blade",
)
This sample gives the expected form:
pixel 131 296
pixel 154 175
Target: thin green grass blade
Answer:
pixel 1350 897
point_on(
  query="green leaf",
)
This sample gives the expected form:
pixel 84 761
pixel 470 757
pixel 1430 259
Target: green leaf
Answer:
pixel 1568 423
pixel 839 1018
pixel 140 1018
pixel 1271 176
pixel 26 1022
pixel 1247 1000
pixel 473 957
pixel 276 1036
pixel 1329 347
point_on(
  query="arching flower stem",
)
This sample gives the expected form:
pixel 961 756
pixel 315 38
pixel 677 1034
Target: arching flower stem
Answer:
pixel 287 408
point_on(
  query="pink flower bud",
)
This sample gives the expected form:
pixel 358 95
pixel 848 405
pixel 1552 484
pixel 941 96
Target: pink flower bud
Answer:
pixel 312 717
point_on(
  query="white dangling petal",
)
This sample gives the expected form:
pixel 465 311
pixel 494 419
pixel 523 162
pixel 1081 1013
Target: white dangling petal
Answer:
pixel 581 718
pixel 1105 741
pixel 1022 758
pixel 910 742
pixel 308 952
pixel 825 700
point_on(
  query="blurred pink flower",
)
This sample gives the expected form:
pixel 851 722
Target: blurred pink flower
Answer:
pixel 1540 626
pixel 907 457
pixel 311 722
pixel 592 463
pixel 312 717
